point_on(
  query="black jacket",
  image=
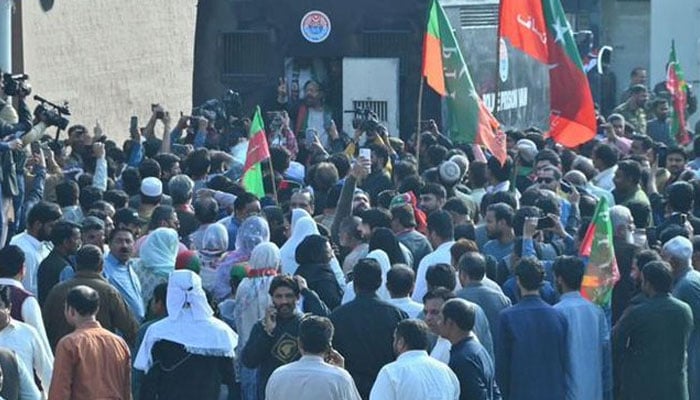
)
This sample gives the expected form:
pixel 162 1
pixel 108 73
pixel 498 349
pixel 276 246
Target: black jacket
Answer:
pixel 267 353
pixel 364 335
pixel 321 280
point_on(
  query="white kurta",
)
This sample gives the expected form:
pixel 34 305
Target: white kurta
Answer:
pixel 415 375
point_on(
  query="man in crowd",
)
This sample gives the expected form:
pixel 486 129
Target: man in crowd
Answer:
pixel 590 375
pixel 25 307
pixel 40 220
pixel 120 273
pixel 649 367
pixel 113 314
pixel 320 367
pixel 367 347
pixel 633 109
pixel 273 342
pixel 441 236
pixel 91 362
pixel 472 271
pixel 468 358
pixel 499 228
pixel 414 374
pixel 532 330
pixel 24 341
pixel 66 239
pixel 399 282
pixel 686 287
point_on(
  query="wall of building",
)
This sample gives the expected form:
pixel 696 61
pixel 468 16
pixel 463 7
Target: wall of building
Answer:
pixel 111 59
pixel 626 27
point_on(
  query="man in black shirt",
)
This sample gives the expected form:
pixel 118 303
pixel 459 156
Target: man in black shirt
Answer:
pixel 365 327
pixel 273 341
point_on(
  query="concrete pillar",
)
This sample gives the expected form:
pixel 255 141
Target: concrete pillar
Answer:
pixel 6 35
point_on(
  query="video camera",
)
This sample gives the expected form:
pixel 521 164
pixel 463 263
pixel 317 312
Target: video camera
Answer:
pixel 219 111
pixel 52 113
pixel 364 119
pixel 16 85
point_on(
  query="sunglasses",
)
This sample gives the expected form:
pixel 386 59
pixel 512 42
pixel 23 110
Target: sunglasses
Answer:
pixel 545 180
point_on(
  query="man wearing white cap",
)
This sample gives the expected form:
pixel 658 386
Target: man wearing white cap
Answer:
pixel 686 287
pixel 151 196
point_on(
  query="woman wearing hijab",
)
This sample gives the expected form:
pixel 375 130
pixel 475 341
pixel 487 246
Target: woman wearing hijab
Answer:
pixel 383 260
pixel 384 239
pixel 189 354
pixel 302 226
pixel 314 255
pixel 252 299
pixel 158 256
pixel 253 231
pixel 212 253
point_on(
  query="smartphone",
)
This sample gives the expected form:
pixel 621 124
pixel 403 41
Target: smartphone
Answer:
pixel 159 114
pixel 134 125
pixel 545 223
pixel 651 236
pixel 36 147
pixel 310 136
pixel 565 186
pixel 367 154
pixel 661 153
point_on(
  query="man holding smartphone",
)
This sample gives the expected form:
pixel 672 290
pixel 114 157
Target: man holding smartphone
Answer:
pixel 273 341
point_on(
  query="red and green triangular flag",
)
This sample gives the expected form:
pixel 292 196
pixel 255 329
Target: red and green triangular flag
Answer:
pixel 447 73
pixel 540 29
pixel 677 87
pixel 602 272
pixel 258 151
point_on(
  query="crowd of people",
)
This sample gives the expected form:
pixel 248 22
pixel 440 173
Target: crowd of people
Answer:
pixel 428 270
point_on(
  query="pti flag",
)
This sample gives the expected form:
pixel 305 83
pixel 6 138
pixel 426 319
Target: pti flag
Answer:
pixel 677 87
pixel 446 72
pixel 540 29
pixel 601 272
pixel 257 152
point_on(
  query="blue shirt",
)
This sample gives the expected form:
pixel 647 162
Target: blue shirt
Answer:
pixel 590 375
pixel 474 368
pixel 532 351
pixel 123 278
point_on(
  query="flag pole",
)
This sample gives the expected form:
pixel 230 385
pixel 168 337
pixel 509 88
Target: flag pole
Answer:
pixel 420 109
pixel 272 177
pixel 497 77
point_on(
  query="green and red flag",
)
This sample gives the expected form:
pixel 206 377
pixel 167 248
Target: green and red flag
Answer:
pixel 258 151
pixel 602 272
pixel 447 73
pixel 678 88
pixel 540 29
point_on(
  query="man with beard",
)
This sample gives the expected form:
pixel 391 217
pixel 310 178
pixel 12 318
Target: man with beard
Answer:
pixel 273 341
pixel 119 271
pixel 633 108
pixel 676 158
pixel 432 197
pixel 40 221
pixel 414 374
pixel 66 239
pixel 659 128
pixel 499 228
pixel 623 243
pixel 378 179
pixel 311 112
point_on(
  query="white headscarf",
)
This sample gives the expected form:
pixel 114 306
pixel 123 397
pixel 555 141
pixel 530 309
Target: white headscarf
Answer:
pixel 190 322
pixel 301 228
pixel 159 251
pixel 383 293
pixel 252 296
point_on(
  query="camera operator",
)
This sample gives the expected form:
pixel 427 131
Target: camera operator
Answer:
pixel 11 121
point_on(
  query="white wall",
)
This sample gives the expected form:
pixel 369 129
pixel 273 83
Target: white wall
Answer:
pixel 111 59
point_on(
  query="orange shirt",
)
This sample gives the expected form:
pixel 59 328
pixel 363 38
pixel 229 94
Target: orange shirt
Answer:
pixel 91 363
